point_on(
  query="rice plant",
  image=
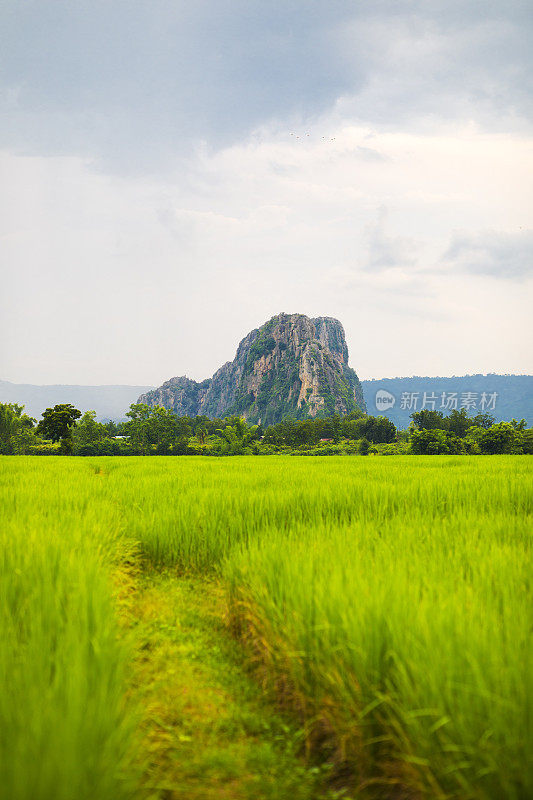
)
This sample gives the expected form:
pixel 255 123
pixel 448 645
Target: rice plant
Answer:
pixel 385 601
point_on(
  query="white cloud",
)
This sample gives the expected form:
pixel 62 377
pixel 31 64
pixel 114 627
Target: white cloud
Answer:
pixel 112 279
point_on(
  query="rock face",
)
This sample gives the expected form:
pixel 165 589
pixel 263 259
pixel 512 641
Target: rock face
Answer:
pixel 292 366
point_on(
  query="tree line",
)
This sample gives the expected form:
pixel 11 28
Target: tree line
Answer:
pixel 64 430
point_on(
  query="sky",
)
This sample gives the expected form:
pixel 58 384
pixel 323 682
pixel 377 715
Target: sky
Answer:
pixel 173 174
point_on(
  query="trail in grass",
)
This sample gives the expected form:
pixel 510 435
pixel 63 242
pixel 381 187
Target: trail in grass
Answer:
pixel 207 730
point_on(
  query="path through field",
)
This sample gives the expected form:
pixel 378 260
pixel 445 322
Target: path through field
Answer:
pixel 208 732
pixel 385 601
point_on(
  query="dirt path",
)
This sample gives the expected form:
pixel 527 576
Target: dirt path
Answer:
pixel 207 731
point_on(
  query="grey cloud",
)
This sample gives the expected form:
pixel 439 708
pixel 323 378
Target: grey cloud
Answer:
pixel 442 62
pixel 136 84
pixel 385 251
pixel 151 78
pixel 501 255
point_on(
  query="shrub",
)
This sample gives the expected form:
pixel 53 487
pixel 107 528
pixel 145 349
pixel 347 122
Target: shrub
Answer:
pixel 500 438
pixel 364 447
pixel 435 442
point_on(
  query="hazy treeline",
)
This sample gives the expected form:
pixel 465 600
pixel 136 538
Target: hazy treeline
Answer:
pixel 158 431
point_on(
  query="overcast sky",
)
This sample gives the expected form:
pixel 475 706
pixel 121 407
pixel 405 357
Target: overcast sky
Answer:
pixel 174 173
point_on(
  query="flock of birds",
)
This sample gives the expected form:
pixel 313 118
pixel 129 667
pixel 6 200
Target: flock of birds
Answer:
pixel 331 139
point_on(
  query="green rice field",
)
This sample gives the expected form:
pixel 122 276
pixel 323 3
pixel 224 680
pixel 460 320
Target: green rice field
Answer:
pixel 381 606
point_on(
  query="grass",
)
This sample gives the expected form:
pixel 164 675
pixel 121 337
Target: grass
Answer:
pixel 64 732
pixel 208 731
pixel 384 602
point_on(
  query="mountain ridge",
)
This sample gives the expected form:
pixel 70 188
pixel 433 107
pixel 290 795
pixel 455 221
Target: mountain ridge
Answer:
pixel 502 396
pixel 110 401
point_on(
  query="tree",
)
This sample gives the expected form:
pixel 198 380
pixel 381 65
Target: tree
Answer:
pixel 111 428
pixel 301 433
pixel 156 429
pixel 427 420
pixel 364 447
pixel 527 441
pixel 87 434
pixel 501 438
pixel 459 422
pixel 164 429
pixel 435 442
pixel 138 427
pixel 234 440
pixel 378 430
pixel 16 429
pixel 483 420
pixel 201 433
pixel 57 424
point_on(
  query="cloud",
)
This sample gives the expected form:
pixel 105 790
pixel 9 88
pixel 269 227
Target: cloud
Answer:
pixel 437 62
pixel 132 279
pixel 507 255
pixel 155 205
pixel 135 86
pixel 385 252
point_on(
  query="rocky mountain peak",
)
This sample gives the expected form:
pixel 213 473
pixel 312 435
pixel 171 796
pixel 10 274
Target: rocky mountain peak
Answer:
pixel 291 366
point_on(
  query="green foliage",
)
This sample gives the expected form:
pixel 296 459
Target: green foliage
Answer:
pixel 234 440
pixel 483 420
pixel 427 420
pixel 504 437
pixel 88 432
pixel 398 448
pixel 458 422
pixel 435 442
pixel 527 441
pixel 364 447
pixel 294 433
pixel 435 434
pixel 16 430
pixel 41 447
pixel 57 423
pixel 377 429
pixel 156 429
pixel 263 346
pixel 111 427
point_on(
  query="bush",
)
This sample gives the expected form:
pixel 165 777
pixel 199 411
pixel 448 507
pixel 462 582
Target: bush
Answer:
pixel 527 441
pixel 364 447
pixel 435 442
pixel 44 448
pixel 87 450
pixel 501 438
pixel 393 449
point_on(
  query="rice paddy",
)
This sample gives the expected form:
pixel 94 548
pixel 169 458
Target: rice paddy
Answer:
pixel 381 607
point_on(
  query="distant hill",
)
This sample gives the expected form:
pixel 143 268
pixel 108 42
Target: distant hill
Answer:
pixel 504 396
pixel 514 396
pixel 292 366
pixel 109 402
